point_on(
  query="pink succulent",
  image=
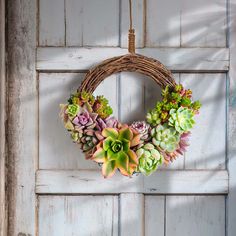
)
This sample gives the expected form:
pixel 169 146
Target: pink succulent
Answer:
pixel 109 122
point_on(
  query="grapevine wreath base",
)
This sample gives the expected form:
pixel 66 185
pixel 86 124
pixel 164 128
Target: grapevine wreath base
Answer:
pixel 143 145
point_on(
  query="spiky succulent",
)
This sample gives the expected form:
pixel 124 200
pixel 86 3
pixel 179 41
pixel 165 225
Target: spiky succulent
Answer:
pixel 165 138
pixel 173 98
pixel 149 159
pixel 115 151
pixel 82 98
pixel 182 119
pixel 142 128
pixel 101 107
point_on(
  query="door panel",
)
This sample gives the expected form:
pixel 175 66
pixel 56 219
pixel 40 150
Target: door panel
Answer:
pixel 188 197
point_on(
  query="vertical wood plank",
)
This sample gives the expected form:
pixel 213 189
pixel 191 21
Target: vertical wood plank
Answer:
pixel 231 128
pixel 154 215
pixel 132 221
pixel 207 149
pixel 78 215
pixel 3 220
pixel 59 153
pixel 203 23
pixel 51 23
pixel 92 23
pixel 22 124
pixel 163 23
pixel 195 215
pixel 138 9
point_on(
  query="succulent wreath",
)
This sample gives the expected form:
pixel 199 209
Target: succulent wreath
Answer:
pixel 142 146
pixel 139 147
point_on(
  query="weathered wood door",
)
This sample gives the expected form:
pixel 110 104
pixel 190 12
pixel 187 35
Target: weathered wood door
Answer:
pixel 53 191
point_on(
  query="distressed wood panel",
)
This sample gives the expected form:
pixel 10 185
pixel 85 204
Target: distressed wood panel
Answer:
pixel 231 118
pixel 195 215
pixel 3 193
pixel 163 23
pixel 154 215
pixel 207 149
pixel 132 221
pixel 22 102
pixel 51 23
pixel 78 215
pixel 60 152
pixel 203 23
pixel 160 182
pixel 138 12
pixel 177 59
pixel 92 23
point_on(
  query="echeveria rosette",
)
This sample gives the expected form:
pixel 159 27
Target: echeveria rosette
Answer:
pixel 115 151
pixel 143 129
pixel 149 159
pixel 181 119
pixel 165 137
pixel 109 122
pixel 84 120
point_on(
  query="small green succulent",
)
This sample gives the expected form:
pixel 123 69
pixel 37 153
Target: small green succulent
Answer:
pixel 182 119
pixel 149 159
pixel 165 137
pixel 101 107
pixel 153 117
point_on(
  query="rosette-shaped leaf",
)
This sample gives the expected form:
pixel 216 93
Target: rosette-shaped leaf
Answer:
pixel 142 128
pixel 182 119
pixel 115 151
pixel 165 137
pixel 149 159
pixel 109 122
pixel 153 117
pixel 84 119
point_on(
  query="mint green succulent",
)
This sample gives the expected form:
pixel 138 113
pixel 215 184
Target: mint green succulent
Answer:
pixel 182 119
pixel 149 159
pixel 165 137
pixel 153 117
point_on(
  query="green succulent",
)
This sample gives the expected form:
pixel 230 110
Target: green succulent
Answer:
pixel 153 117
pixel 182 119
pixel 115 151
pixel 149 159
pixel 101 107
pixel 165 137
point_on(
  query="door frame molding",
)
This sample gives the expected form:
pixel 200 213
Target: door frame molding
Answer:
pixel 3 207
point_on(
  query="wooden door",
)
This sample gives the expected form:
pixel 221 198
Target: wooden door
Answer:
pixel 52 190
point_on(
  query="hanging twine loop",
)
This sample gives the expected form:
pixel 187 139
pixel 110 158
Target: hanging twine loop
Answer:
pixel 131 38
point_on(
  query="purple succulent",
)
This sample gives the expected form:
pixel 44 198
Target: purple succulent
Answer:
pixel 109 122
pixel 84 119
pixel 143 128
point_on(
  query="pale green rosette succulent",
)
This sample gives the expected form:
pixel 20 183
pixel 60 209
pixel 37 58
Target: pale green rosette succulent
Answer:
pixel 149 159
pixel 165 137
pixel 182 119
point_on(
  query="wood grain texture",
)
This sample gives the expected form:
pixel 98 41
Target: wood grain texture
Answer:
pixel 203 23
pixel 231 129
pixel 22 126
pixel 3 161
pixel 154 215
pixel 176 59
pixel 138 12
pixel 51 23
pixel 61 152
pixel 132 221
pixel 163 23
pixel 207 142
pixel 78 215
pixel 92 23
pixel 161 182
pixel 195 215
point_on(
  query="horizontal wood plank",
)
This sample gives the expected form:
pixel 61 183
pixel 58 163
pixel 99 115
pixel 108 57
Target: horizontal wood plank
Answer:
pixel 177 59
pixel 161 182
